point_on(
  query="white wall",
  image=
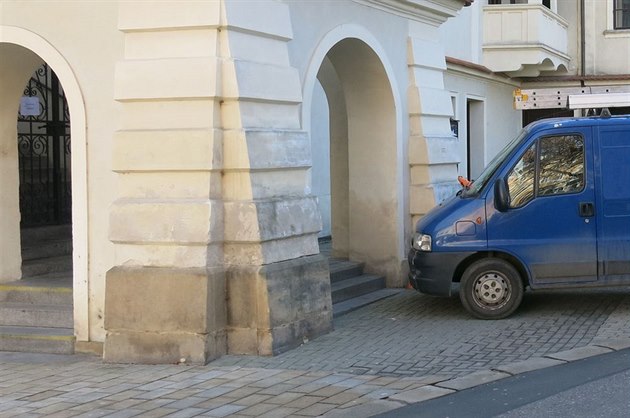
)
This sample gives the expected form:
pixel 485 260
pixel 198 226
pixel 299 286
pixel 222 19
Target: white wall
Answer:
pixel 501 122
pixel 462 36
pixel 607 50
pixel 320 149
pixel 89 60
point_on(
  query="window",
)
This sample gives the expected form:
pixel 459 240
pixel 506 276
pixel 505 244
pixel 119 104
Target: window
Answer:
pixel 521 179
pixel 561 165
pixel 552 166
pixel 621 13
pixel 546 3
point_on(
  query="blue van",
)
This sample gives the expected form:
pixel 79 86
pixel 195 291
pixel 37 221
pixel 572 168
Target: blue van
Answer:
pixel 552 210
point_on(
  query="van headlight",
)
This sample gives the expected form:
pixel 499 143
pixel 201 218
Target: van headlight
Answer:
pixel 421 242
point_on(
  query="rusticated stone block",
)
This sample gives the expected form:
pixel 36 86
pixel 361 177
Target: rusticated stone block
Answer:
pixel 273 308
pixel 160 315
pixel 159 348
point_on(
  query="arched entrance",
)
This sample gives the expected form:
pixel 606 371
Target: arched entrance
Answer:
pixel 35 160
pixel 356 163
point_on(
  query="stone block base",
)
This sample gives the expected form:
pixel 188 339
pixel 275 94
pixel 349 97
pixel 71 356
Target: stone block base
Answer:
pixel 161 315
pixel 276 307
pixel 156 348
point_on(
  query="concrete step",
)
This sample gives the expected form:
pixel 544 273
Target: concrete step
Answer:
pixel 45 292
pixel 352 304
pixel 356 286
pixel 47 248
pixel 30 315
pixel 42 266
pixel 37 340
pixel 344 269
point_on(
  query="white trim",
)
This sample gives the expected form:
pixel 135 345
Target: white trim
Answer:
pixel 484 139
pixel 330 39
pixel 78 132
pixel 617 33
pixel 610 18
pixel 610 31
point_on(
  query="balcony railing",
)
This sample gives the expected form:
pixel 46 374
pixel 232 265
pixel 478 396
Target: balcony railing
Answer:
pixel 524 40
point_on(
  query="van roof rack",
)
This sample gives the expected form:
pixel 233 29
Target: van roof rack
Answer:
pixel 593 97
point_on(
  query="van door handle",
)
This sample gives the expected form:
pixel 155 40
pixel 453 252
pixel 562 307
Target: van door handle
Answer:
pixel 587 209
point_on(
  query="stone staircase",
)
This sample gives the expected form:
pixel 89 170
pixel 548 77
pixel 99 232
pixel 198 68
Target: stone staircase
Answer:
pixel 36 312
pixel 352 289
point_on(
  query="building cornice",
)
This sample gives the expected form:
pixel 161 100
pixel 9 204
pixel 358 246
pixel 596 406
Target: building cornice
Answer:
pixel 464 68
pixel 434 12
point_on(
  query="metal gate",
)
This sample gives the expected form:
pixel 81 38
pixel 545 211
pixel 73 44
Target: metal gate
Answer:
pixel 44 152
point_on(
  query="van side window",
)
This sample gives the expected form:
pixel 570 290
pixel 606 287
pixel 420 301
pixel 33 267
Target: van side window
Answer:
pixel 521 179
pixel 561 165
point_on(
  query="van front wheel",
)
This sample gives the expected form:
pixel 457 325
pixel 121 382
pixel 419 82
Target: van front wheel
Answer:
pixel 491 289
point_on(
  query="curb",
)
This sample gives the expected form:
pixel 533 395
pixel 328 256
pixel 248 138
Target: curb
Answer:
pixel 449 386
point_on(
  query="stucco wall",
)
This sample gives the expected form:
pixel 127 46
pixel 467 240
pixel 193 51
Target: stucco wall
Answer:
pixel 607 51
pixel 462 36
pixel 316 31
pixel 85 35
pixel 501 122
pixel 196 149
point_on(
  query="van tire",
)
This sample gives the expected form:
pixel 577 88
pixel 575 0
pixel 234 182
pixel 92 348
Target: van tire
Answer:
pixel 491 289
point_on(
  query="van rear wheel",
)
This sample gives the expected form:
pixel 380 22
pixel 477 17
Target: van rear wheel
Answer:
pixel 491 289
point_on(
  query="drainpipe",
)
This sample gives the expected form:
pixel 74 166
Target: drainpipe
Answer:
pixel 582 45
pixel 582 41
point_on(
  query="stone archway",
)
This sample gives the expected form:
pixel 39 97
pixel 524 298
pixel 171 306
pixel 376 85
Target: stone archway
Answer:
pixel 21 52
pixel 365 197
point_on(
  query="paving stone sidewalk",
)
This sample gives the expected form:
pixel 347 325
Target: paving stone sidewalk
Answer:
pixel 404 349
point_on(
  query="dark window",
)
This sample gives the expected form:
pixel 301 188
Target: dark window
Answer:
pixel 546 3
pixel 622 14
pixel 553 165
pixel 561 165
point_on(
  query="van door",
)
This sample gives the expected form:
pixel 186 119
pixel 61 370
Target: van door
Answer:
pixel 613 167
pixel 550 224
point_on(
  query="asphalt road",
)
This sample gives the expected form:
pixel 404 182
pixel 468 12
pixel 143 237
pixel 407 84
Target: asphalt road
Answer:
pixel 594 387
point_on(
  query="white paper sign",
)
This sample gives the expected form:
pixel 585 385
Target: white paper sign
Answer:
pixel 29 106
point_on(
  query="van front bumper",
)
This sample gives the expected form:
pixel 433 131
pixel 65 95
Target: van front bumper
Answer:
pixel 432 272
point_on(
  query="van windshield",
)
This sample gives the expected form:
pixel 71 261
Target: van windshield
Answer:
pixel 488 172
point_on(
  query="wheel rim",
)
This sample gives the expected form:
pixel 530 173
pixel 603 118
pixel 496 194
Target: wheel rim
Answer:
pixel 491 290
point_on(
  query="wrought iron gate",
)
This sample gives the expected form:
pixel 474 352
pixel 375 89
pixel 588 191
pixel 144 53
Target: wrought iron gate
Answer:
pixel 44 152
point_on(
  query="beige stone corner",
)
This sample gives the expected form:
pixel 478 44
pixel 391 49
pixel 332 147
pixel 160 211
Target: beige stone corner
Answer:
pixel 139 15
pixel 421 199
pixel 167 150
pixel 167 221
pixel 275 307
pixel 161 348
pixel 161 315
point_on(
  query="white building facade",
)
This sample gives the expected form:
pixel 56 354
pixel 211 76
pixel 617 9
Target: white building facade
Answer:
pixel 213 142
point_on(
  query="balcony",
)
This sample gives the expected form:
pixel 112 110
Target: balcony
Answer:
pixel 524 40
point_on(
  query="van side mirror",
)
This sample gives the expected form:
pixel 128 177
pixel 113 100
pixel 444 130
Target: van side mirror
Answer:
pixel 501 195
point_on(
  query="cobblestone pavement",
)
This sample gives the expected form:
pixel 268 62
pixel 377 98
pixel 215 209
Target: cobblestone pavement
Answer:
pixel 404 349
pixel 414 335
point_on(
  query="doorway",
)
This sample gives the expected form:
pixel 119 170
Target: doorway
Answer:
pixel 355 161
pixel 45 191
pixel 475 137
pixel 44 152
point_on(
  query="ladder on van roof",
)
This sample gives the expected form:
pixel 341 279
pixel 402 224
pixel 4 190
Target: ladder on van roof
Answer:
pixel 593 97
